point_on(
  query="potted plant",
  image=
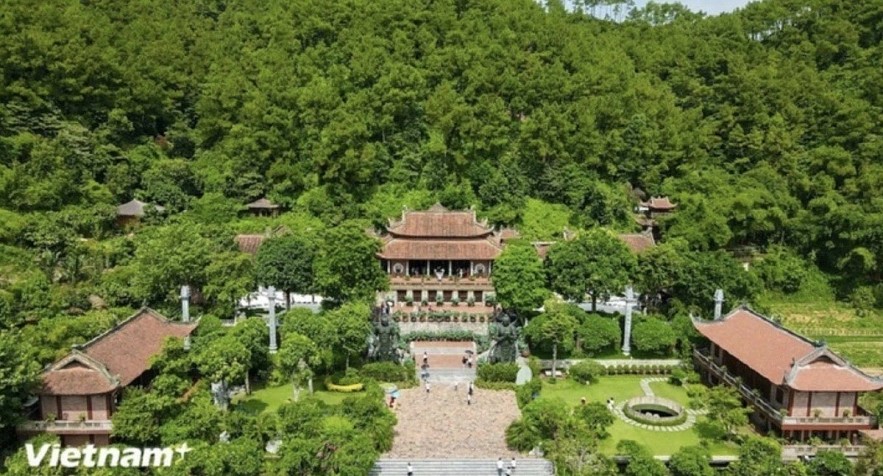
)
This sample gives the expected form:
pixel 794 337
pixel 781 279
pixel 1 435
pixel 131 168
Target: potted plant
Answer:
pixel 456 318
pixel 422 317
pixel 51 417
pixel 470 302
pixel 455 301
pixel 847 414
pixel 439 299
pixel 424 302
pixel 409 300
pixel 817 413
pixel 472 318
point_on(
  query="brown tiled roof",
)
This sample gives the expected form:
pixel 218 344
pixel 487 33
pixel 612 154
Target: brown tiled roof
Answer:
pixel 439 222
pixel 659 203
pixel 781 356
pixel 262 204
pixel 508 234
pixel 823 370
pixel 478 249
pixel 127 348
pixel 638 242
pixel 77 374
pixel 249 243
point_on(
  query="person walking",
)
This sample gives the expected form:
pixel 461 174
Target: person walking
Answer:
pixel 469 399
pixel 425 358
pixel 470 389
pixel 427 386
pixel 499 466
pixel 410 470
pixel 513 465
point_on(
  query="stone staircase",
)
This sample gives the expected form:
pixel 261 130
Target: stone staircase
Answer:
pixel 465 467
pixel 445 361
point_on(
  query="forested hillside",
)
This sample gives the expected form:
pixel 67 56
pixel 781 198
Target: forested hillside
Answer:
pixel 764 126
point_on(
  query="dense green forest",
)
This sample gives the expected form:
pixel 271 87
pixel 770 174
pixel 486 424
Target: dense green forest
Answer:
pixel 764 126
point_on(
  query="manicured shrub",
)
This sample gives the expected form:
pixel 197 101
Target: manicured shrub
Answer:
pixel 586 371
pixel 501 372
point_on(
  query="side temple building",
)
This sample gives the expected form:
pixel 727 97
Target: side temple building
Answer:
pixel 81 391
pixel 796 387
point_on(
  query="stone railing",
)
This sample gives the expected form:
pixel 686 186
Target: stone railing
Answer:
pixel 67 425
pixel 773 413
pixel 792 452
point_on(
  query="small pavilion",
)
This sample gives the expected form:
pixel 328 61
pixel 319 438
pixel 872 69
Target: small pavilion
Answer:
pixel 263 207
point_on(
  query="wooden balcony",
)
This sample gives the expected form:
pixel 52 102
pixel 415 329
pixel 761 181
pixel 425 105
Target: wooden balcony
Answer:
pixel 783 421
pixel 67 427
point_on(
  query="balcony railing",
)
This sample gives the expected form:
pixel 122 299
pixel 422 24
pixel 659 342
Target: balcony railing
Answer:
pixel 67 425
pixel 764 406
pixel 433 282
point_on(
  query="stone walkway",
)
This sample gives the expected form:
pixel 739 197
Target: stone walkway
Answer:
pixel 441 425
pixel 648 391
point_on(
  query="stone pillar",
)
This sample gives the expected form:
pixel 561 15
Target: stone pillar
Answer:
pixel 450 268
pixel 271 299
pixel 627 335
pixel 185 311
pixel 718 303
pixel 428 271
pixel 471 267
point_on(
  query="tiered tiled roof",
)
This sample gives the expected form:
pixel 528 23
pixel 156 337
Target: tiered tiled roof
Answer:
pixel 442 234
pixel 781 356
pixel 659 203
pixel 439 222
pixel 115 358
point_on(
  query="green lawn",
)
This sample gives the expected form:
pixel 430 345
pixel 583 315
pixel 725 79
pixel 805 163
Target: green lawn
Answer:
pixel 623 387
pixel 270 398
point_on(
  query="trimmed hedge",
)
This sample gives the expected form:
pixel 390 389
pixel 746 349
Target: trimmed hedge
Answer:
pixel 634 369
pixel 502 372
pixel 442 336
pixel 481 383
pixel 388 372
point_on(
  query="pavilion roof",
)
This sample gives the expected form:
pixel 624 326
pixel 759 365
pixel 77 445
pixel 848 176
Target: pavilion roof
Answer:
pixel 476 249
pixel 134 208
pixel 782 356
pixel 439 222
pixel 659 203
pixel 262 204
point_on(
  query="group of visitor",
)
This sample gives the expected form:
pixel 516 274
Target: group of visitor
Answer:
pixel 510 469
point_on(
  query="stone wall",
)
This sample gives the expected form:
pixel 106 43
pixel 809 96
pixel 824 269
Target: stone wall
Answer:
pixel 474 327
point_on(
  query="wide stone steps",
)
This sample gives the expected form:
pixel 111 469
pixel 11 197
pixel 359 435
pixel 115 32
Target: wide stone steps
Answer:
pixel 466 467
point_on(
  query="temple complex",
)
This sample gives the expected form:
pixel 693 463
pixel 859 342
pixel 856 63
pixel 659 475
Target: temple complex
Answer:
pixel 441 256
pixel 796 387
pixel 81 391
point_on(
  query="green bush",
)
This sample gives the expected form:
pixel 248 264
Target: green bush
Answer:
pixel 388 372
pixel 586 371
pixel 524 394
pixel 597 333
pixel 453 335
pixel 481 383
pixel 502 372
pixel 677 377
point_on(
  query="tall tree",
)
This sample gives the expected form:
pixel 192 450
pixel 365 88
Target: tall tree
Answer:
pixel 519 280
pixel 352 325
pixel 595 263
pixel 556 327
pixel 297 359
pixel 286 262
pixel 347 267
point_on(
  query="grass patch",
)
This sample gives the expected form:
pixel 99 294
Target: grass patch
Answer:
pixel 624 387
pixel 672 392
pixel 269 399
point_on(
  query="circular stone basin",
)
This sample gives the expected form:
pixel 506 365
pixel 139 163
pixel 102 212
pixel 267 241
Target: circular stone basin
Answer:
pixel 654 410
